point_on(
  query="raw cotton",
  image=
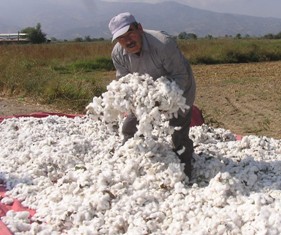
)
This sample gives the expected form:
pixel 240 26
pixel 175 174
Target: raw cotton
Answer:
pixel 154 103
pixel 81 180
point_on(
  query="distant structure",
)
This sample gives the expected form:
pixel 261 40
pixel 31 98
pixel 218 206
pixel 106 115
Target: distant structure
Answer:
pixel 8 38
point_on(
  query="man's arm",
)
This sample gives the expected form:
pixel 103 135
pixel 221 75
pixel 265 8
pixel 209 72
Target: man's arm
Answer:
pixel 119 63
pixel 179 70
pixel 176 65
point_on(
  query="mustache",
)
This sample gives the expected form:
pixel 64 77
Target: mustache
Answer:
pixel 131 44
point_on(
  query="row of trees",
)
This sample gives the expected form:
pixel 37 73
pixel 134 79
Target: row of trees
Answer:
pixel 273 36
pixel 186 36
pixel 35 35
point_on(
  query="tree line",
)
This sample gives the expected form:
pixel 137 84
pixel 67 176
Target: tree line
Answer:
pixel 36 36
pixel 188 36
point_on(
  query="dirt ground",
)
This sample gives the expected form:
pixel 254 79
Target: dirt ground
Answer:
pixel 10 106
pixel 244 98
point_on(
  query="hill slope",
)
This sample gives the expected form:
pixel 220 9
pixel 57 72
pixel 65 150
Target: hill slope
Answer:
pixel 90 18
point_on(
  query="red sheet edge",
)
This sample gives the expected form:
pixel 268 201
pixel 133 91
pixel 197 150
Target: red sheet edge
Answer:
pixel 196 119
pixel 4 230
pixel 40 115
pixel 15 206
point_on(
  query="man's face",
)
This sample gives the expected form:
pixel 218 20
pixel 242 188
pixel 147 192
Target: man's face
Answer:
pixel 132 39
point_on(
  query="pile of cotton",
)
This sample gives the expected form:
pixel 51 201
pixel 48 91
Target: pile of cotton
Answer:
pixel 154 103
pixel 80 179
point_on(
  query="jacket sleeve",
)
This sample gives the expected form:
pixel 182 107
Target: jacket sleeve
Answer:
pixel 119 63
pixel 175 64
pixel 178 69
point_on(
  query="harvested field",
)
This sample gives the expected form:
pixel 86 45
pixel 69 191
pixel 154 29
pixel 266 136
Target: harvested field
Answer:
pixel 244 98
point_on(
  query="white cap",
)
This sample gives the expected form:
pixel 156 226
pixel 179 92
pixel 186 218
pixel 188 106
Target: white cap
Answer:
pixel 120 24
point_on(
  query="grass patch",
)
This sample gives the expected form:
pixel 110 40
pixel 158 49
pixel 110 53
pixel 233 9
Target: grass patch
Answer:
pixel 220 51
pixel 84 66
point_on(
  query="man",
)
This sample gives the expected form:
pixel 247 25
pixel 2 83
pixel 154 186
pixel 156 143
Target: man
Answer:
pixel 157 54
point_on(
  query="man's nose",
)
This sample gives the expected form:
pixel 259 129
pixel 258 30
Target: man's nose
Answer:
pixel 127 38
pixel 129 41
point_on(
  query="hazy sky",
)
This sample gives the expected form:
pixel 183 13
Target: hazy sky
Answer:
pixel 263 8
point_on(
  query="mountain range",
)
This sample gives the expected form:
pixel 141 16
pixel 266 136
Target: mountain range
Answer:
pixel 90 18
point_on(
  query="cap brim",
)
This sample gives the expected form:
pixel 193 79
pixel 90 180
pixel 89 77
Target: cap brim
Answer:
pixel 120 32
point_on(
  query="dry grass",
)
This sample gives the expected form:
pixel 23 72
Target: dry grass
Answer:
pixel 245 98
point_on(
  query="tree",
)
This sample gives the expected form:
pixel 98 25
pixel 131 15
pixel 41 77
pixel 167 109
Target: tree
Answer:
pixel 87 39
pixel 78 39
pixel 238 36
pixel 209 36
pixel 35 35
pixel 192 36
pixel 278 36
pixel 184 35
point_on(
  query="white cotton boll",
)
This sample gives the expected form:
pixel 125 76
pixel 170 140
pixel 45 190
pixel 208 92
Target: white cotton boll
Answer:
pixel 130 171
pixel 274 221
pixel 245 142
pixel 139 183
pixel 129 88
pixel 247 211
pixel 41 229
pixel 17 221
pixel 22 227
pixel 248 229
pixel 7 200
pixel 102 182
pixel 137 230
pixel 95 107
pixel 248 175
pixel 252 179
pixel 144 128
pixel 218 189
pixel 82 216
pixel 180 188
pixel 102 201
pixel 22 215
pixel 107 175
pixel 140 197
pixel 175 171
pixel 119 226
pixel 152 226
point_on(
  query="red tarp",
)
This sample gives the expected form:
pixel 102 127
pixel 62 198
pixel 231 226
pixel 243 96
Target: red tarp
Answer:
pixel 197 117
pixel 40 115
pixel 197 120
pixel 15 206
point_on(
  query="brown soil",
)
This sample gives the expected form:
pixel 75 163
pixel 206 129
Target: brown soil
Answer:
pixel 10 106
pixel 244 98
